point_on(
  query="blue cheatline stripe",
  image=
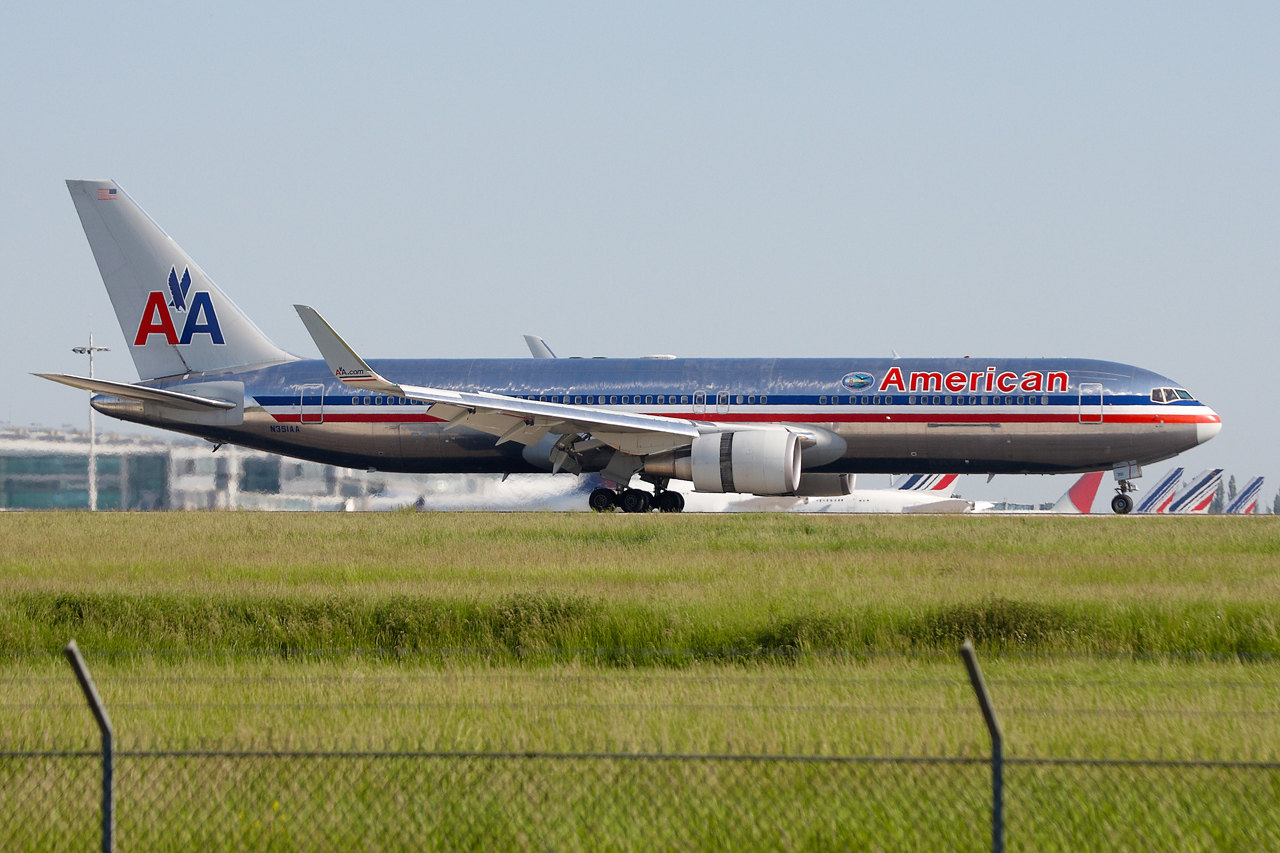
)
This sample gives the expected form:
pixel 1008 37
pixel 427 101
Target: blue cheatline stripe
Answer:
pixel 348 399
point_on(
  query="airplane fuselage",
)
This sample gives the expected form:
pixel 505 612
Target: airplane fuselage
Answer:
pixel 966 416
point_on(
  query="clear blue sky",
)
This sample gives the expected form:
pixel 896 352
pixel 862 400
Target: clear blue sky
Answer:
pixel 797 180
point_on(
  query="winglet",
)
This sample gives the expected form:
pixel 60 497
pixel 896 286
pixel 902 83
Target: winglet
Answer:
pixel 538 347
pixel 341 358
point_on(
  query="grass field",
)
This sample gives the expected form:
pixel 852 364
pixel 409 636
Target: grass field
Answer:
pixel 723 635
pixel 635 587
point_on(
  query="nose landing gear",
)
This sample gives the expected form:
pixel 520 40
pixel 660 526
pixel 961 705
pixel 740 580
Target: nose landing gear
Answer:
pixel 1122 504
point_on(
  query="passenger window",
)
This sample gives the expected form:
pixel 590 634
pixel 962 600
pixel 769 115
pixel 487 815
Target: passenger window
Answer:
pixel 1044 401
pixel 911 400
pixel 763 400
pixel 613 400
pixel 661 399
pixel 1021 400
pixel 626 399
pixel 684 399
pixel 648 399
pixel 751 399
pixel 822 401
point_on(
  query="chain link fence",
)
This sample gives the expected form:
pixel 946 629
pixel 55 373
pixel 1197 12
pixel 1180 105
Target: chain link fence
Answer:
pixel 413 799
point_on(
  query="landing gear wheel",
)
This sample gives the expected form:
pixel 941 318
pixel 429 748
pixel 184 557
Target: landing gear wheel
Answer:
pixel 670 502
pixel 1122 504
pixel 602 500
pixel 634 500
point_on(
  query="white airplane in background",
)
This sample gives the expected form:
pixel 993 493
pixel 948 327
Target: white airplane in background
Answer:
pixel 909 493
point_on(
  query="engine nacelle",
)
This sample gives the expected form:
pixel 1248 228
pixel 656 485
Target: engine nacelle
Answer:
pixel 761 462
pixel 825 485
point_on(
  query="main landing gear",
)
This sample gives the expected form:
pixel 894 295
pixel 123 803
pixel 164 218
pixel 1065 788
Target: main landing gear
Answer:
pixel 1122 504
pixel 636 500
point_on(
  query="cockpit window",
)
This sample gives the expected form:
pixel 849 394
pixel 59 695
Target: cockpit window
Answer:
pixel 1170 395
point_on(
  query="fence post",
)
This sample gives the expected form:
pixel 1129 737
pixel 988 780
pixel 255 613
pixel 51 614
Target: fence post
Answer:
pixel 72 651
pixel 997 745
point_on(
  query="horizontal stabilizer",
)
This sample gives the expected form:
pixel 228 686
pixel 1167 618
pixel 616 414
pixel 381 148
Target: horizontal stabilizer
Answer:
pixel 138 392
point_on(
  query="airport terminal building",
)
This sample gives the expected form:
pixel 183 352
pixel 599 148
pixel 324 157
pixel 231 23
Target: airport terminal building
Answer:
pixel 49 469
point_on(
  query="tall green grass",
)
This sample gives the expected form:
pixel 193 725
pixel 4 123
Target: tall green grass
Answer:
pixel 638 589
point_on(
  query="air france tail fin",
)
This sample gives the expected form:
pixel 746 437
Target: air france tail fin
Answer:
pixel 1161 494
pixel 174 318
pixel 1247 499
pixel 935 483
pixel 1198 494
pixel 1079 498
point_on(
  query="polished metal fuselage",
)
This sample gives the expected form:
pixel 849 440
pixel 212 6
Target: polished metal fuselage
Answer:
pixel 1099 416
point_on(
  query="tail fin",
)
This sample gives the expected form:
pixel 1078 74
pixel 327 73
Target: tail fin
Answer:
pixel 940 483
pixel 1247 500
pixel 1161 494
pixel 1079 498
pixel 1198 494
pixel 175 320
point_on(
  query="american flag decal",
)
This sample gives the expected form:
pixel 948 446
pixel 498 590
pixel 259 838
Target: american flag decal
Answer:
pixel 106 195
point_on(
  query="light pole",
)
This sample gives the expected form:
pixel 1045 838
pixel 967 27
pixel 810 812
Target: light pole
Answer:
pixel 93 446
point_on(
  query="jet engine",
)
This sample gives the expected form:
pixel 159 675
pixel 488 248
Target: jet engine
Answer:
pixel 761 462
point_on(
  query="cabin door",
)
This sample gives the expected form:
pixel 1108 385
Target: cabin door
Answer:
pixel 1090 403
pixel 312 404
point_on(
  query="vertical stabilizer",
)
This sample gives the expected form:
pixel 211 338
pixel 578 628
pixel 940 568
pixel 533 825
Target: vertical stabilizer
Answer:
pixel 1161 494
pixel 1079 498
pixel 175 320
pixel 936 483
pixel 1198 494
pixel 1246 502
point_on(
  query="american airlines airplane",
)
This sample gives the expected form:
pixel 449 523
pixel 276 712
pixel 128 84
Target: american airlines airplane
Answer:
pixel 765 426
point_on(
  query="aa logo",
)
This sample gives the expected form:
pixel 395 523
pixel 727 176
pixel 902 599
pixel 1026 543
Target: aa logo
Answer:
pixel 157 319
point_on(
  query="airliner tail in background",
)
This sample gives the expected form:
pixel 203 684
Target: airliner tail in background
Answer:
pixel 1161 494
pixel 1078 499
pixel 1197 495
pixel 1246 500
pixel 933 483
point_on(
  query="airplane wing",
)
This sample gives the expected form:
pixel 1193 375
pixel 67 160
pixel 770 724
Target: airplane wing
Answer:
pixel 509 418
pixel 138 392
